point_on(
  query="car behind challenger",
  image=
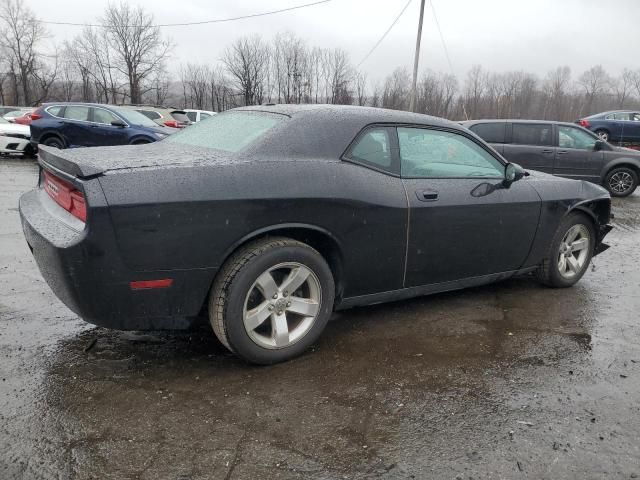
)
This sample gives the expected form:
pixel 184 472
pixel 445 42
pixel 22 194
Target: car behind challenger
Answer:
pixel 269 218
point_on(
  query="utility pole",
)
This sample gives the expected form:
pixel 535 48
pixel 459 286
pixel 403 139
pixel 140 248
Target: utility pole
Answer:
pixel 412 102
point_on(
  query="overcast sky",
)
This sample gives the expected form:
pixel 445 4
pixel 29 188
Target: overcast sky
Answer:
pixel 532 35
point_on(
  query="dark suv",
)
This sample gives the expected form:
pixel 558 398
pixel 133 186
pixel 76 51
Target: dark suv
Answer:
pixel 67 125
pixel 563 149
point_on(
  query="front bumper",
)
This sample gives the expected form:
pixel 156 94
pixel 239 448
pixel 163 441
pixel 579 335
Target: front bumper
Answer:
pixel 13 144
pixel 85 272
pixel 600 246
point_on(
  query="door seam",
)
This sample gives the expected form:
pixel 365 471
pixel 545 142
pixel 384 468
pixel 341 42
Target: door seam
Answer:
pixel 406 247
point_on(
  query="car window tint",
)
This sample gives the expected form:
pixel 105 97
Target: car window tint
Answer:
pixel 103 116
pixel 570 137
pixel 532 134
pixel 76 112
pixel 230 132
pixel 54 110
pixel 490 132
pixel 192 116
pixel 374 148
pixel 428 153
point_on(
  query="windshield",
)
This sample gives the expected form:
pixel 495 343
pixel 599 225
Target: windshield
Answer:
pixel 230 132
pixel 135 118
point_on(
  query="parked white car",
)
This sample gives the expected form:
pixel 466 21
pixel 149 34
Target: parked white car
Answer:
pixel 197 115
pixel 14 138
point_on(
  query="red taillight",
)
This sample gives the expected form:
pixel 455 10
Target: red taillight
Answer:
pixel 66 195
pixel 37 115
pixel 584 123
pixel 172 123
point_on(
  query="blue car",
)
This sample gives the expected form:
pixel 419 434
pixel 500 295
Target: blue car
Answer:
pixel 616 126
pixel 69 125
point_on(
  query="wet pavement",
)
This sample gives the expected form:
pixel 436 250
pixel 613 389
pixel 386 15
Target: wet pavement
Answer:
pixel 511 380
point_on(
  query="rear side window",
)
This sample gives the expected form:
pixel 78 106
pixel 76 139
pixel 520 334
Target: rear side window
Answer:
pixel 192 116
pixel 55 110
pixel 532 134
pixel 150 114
pixel 618 116
pixel 373 148
pixel 230 132
pixel 76 112
pixel 203 115
pixel 490 132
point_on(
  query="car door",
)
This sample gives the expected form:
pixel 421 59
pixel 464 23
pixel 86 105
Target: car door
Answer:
pixel 530 145
pixel 576 156
pixel 104 133
pixel 76 127
pixel 457 228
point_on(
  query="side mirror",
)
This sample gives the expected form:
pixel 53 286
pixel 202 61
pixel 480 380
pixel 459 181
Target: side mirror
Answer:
pixel 512 173
pixel 118 123
pixel 599 145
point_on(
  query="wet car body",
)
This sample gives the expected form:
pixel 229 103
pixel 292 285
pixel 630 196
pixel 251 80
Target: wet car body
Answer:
pixel 173 213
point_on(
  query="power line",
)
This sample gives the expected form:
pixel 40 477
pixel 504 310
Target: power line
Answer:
pixel 446 50
pixel 203 22
pixel 384 35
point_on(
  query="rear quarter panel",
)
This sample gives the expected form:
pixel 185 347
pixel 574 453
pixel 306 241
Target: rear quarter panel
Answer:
pixel 193 217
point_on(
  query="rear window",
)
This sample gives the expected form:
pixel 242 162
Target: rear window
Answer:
pixel 490 132
pixel 532 134
pixel 230 132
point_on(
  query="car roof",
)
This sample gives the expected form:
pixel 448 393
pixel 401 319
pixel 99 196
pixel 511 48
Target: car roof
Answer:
pixel 365 115
pixel 513 120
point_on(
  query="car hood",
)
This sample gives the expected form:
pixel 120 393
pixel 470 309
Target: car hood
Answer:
pixel 14 128
pixel 626 151
pixel 93 161
pixel 550 187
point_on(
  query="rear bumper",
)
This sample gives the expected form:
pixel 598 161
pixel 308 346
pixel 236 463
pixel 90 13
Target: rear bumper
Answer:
pixel 85 272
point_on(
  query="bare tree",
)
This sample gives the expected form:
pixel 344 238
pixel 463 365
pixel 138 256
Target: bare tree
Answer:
pixel 20 38
pixel 555 89
pixel 395 92
pixel 247 61
pixel 474 89
pixel 139 50
pixel 595 81
pixel 361 88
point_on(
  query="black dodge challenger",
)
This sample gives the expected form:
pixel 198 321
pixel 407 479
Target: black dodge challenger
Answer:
pixel 269 218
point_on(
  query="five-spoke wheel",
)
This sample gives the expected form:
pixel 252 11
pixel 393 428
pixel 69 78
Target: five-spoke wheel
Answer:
pixel 271 300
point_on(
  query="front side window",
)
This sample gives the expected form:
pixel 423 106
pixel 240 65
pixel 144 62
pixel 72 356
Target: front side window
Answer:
pixel 570 137
pixel 635 117
pixel 490 132
pixel 373 148
pixel 76 112
pixel 426 153
pixel 103 116
pixel 532 134
pixel 230 132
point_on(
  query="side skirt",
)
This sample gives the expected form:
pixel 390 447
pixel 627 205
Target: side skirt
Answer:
pixel 404 293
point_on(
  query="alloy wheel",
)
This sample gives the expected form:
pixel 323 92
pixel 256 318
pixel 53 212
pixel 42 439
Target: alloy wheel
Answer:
pixel 620 182
pixel 574 251
pixel 282 305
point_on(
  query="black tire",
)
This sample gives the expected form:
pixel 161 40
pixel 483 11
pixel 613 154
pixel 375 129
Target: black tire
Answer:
pixel 618 189
pixel 53 142
pixel 29 152
pixel 235 282
pixel 603 134
pixel 140 142
pixel 549 272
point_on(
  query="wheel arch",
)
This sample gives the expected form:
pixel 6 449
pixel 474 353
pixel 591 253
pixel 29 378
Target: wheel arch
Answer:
pixel 316 237
pixel 620 162
pixel 137 139
pixel 598 210
pixel 49 134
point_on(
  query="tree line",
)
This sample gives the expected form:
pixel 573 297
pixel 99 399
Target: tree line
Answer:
pixel 125 58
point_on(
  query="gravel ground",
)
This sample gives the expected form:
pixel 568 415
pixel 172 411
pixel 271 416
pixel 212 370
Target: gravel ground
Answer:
pixel 511 380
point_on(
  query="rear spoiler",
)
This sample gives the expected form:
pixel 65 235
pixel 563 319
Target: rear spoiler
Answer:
pixel 64 161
